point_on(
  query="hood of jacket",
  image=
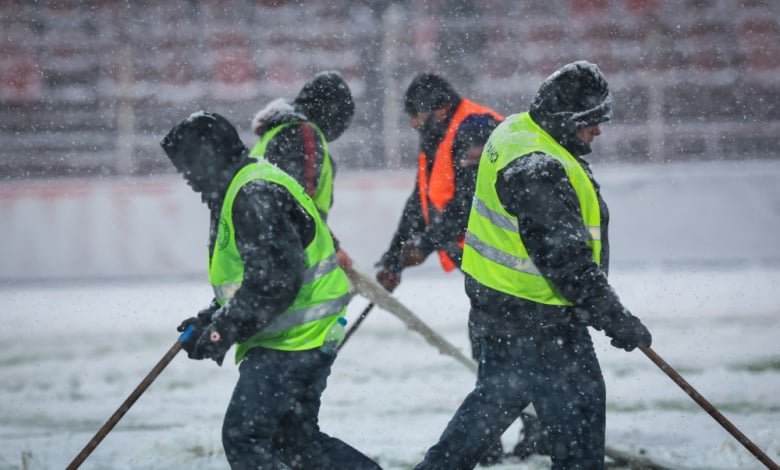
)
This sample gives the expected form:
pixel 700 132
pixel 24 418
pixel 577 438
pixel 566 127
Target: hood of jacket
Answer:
pixel 275 113
pixel 575 96
pixel 327 101
pixel 206 149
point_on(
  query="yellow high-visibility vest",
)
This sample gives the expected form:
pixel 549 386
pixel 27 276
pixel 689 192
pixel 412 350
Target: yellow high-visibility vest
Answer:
pixel 494 253
pixel 323 192
pixel 324 294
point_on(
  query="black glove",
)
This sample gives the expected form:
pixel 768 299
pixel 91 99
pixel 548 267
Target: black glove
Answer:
pixel 208 343
pixel 202 320
pixel 388 279
pixel 411 255
pixel 628 332
pixel 199 323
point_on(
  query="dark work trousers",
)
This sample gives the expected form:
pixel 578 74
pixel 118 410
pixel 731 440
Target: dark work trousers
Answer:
pixel 555 368
pixel 271 422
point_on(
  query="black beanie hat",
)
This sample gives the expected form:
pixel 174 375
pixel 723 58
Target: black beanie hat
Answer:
pixel 428 92
pixel 577 94
pixel 326 100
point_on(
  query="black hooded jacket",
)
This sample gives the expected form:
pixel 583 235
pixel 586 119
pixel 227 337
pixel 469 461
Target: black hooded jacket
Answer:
pixel 271 228
pixel 536 189
pixel 325 101
pixel 297 148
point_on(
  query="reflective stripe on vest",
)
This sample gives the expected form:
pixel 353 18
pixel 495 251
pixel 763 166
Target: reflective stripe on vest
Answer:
pixel 324 292
pixel 494 253
pixel 323 192
pixel 439 187
pixel 324 267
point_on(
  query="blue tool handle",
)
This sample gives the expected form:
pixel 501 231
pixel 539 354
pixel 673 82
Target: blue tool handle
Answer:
pixel 187 334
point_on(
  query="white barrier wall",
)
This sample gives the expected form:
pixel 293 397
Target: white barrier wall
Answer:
pixel 715 215
pixel 106 228
pixel 101 228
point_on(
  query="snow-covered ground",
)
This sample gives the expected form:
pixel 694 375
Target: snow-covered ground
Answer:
pixel 695 256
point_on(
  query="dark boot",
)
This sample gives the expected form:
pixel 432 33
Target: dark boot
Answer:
pixel 533 439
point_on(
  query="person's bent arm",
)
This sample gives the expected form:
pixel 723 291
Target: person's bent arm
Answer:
pixel 536 188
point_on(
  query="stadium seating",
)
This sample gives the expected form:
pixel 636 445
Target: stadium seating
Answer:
pixel 88 87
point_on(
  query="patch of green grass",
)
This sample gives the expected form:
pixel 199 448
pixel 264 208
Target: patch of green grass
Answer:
pixel 14 361
pixel 180 385
pixel 25 359
pixel 203 452
pixel 629 371
pixel 741 407
pixel 624 372
pixel 768 365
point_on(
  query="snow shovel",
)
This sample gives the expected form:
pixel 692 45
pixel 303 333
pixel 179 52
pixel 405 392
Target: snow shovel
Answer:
pixel 709 408
pixel 370 289
pixel 139 390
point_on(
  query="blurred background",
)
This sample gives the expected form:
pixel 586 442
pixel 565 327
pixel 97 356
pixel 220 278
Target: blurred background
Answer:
pixel 89 87
pixel 103 246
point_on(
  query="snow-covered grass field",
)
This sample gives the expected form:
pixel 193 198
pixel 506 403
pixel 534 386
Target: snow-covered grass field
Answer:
pixel 73 350
pixel 72 353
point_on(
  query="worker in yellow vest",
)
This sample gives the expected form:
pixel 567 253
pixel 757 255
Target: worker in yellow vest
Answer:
pixel 294 136
pixel 278 291
pixel 536 259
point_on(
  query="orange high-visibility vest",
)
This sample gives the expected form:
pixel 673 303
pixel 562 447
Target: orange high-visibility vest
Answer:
pixel 439 186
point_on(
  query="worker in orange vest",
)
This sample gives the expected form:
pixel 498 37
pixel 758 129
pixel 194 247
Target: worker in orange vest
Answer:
pixel 452 132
